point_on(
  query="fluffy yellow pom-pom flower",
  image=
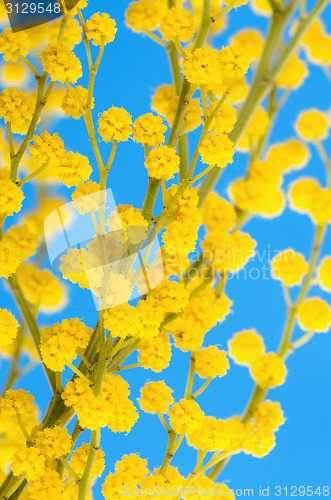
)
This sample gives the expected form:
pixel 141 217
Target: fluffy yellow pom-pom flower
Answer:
pixel 289 267
pixel 61 63
pixel 268 370
pixel 246 346
pixel 187 415
pixel 149 129
pixel 155 397
pixel 13 45
pixel 115 124
pixel 100 28
pixel 211 362
pixel 74 168
pixel 312 124
pixel 177 23
pixel 162 163
pixel 74 100
pixel 314 314
pixel 8 328
pixel 217 149
pixel 293 74
pixel 16 108
pixel 325 273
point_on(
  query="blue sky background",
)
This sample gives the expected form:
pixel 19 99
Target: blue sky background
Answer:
pixel 132 68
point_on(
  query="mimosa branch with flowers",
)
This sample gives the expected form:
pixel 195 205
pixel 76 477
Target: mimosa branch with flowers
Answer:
pixel 209 94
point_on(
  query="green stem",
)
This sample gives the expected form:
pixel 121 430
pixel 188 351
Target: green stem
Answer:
pixel 30 66
pixel 111 156
pixel 40 103
pixel 84 482
pixel 262 83
pixel 164 423
pixel 190 378
pixel 285 346
pixel 19 490
pixel 31 323
pixel 101 366
pixel 202 388
pixel 169 453
pixel 33 175
pixel 150 198
pixel 14 372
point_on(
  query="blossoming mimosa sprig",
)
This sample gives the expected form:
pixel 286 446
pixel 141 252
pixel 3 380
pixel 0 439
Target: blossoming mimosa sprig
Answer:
pixel 264 76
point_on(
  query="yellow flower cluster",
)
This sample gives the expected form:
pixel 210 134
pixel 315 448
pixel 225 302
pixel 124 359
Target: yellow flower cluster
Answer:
pixel 101 29
pixel 268 415
pixel 78 461
pixel 16 402
pixel 149 129
pixel 130 471
pixel 59 343
pixel 200 67
pixel 308 197
pixel 177 24
pixel 8 328
pixel 186 416
pixel 286 155
pixel 245 347
pixel 228 252
pixel 259 443
pixel 224 119
pixel 74 168
pixel 37 462
pixel 209 67
pixel 20 241
pixel 181 234
pixel 115 124
pixel 162 163
pixel 13 45
pixel 30 462
pixel 155 397
pixel 11 195
pixel 217 149
pixel 218 213
pixel 16 108
pixel 171 297
pixel 142 321
pixel 86 205
pixel 250 42
pixel 144 15
pixel 155 354
pixel 49 485
pixel 53 442
pixel 317 43
pixel 39 286
pixel 217 434
pixel 202 313
pixel 165 102
pixel 268 370
pixel 312 125
pixel 111 408
pixel 61 63
pixel 74 100
pixel 211 362
pixel 325 273
pixel 289 267
pixel 9 261
pixel 293 74
pixel 47 148
pixel 314 314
